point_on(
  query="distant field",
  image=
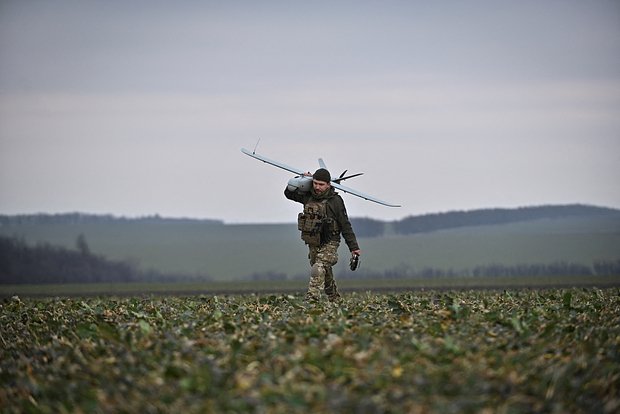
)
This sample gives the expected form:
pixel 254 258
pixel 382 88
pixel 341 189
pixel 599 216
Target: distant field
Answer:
pixel 507 351
pixel 543 241
pixel 300 286
pixel 226 252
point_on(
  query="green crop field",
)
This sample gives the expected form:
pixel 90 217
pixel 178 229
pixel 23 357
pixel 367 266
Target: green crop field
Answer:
pixel 511 351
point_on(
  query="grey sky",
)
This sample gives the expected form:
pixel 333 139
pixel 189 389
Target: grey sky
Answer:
pixel 139 109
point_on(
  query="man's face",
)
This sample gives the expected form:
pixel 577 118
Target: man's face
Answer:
pixel 320 186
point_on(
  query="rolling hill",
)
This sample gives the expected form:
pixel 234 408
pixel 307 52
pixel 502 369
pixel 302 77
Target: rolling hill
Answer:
pixel 556 238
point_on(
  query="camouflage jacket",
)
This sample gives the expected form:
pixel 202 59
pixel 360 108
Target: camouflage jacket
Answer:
pixel 335 210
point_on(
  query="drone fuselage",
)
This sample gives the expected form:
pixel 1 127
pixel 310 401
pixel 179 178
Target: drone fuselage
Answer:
pixel 300 183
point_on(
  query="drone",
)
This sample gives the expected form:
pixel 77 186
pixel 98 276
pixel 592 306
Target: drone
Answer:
pixel 303 182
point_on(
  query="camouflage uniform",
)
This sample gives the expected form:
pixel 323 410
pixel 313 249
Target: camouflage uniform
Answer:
pixel 325 255
pixel 322 258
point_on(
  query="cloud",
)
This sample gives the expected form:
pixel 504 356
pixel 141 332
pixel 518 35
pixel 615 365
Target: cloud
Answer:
pixel 142 107
pixel 459 144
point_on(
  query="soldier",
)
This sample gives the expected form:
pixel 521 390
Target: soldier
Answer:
pixel 323 220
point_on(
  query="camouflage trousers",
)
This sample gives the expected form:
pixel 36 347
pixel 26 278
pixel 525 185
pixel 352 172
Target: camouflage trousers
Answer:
pixel 322 258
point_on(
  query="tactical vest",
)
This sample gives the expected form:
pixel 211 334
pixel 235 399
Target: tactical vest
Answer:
pixel 316 228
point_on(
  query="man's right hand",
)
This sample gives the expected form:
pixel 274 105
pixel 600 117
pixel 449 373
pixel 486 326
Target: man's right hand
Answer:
pixel 355 261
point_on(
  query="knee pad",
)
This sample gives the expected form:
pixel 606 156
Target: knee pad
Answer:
pixel 317 270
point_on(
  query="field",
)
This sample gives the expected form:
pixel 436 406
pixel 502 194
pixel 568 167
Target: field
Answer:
pixel 298 285
pixel 234 252
pixel 510 351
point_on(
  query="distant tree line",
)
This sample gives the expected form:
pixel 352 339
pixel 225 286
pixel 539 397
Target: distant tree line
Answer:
pixel 364 227
pixel 367 227
pixel 267 276
pixel 44 263
pixel 81 218
pixel 599 268
pixel 441 221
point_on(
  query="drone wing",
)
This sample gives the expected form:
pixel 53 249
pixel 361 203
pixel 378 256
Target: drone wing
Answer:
pixel 335 183
pixel 294 170
pixel 362 195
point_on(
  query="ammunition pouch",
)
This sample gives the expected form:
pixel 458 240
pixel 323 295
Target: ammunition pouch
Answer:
pixel 310 229
pixel 316 228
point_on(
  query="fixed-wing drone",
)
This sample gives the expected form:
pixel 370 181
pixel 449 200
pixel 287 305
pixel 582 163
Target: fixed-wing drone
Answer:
pixel 303 182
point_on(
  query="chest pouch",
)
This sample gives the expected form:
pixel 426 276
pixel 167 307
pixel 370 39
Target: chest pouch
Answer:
pixel 310 222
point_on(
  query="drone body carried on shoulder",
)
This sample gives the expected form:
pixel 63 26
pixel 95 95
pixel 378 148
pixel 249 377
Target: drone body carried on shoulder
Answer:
pixel 303 182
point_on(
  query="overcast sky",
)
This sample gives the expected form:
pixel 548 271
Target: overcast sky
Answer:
pixel 141 108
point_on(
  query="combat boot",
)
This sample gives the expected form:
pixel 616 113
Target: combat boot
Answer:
pixel 335 298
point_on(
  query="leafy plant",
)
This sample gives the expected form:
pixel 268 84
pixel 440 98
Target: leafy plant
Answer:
pixel 430 351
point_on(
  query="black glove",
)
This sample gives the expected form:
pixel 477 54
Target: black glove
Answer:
pixel 355 261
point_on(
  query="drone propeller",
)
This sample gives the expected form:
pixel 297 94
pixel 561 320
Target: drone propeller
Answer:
pixel 342 177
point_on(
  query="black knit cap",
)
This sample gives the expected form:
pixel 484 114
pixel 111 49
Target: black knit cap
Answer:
pixel 322 175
